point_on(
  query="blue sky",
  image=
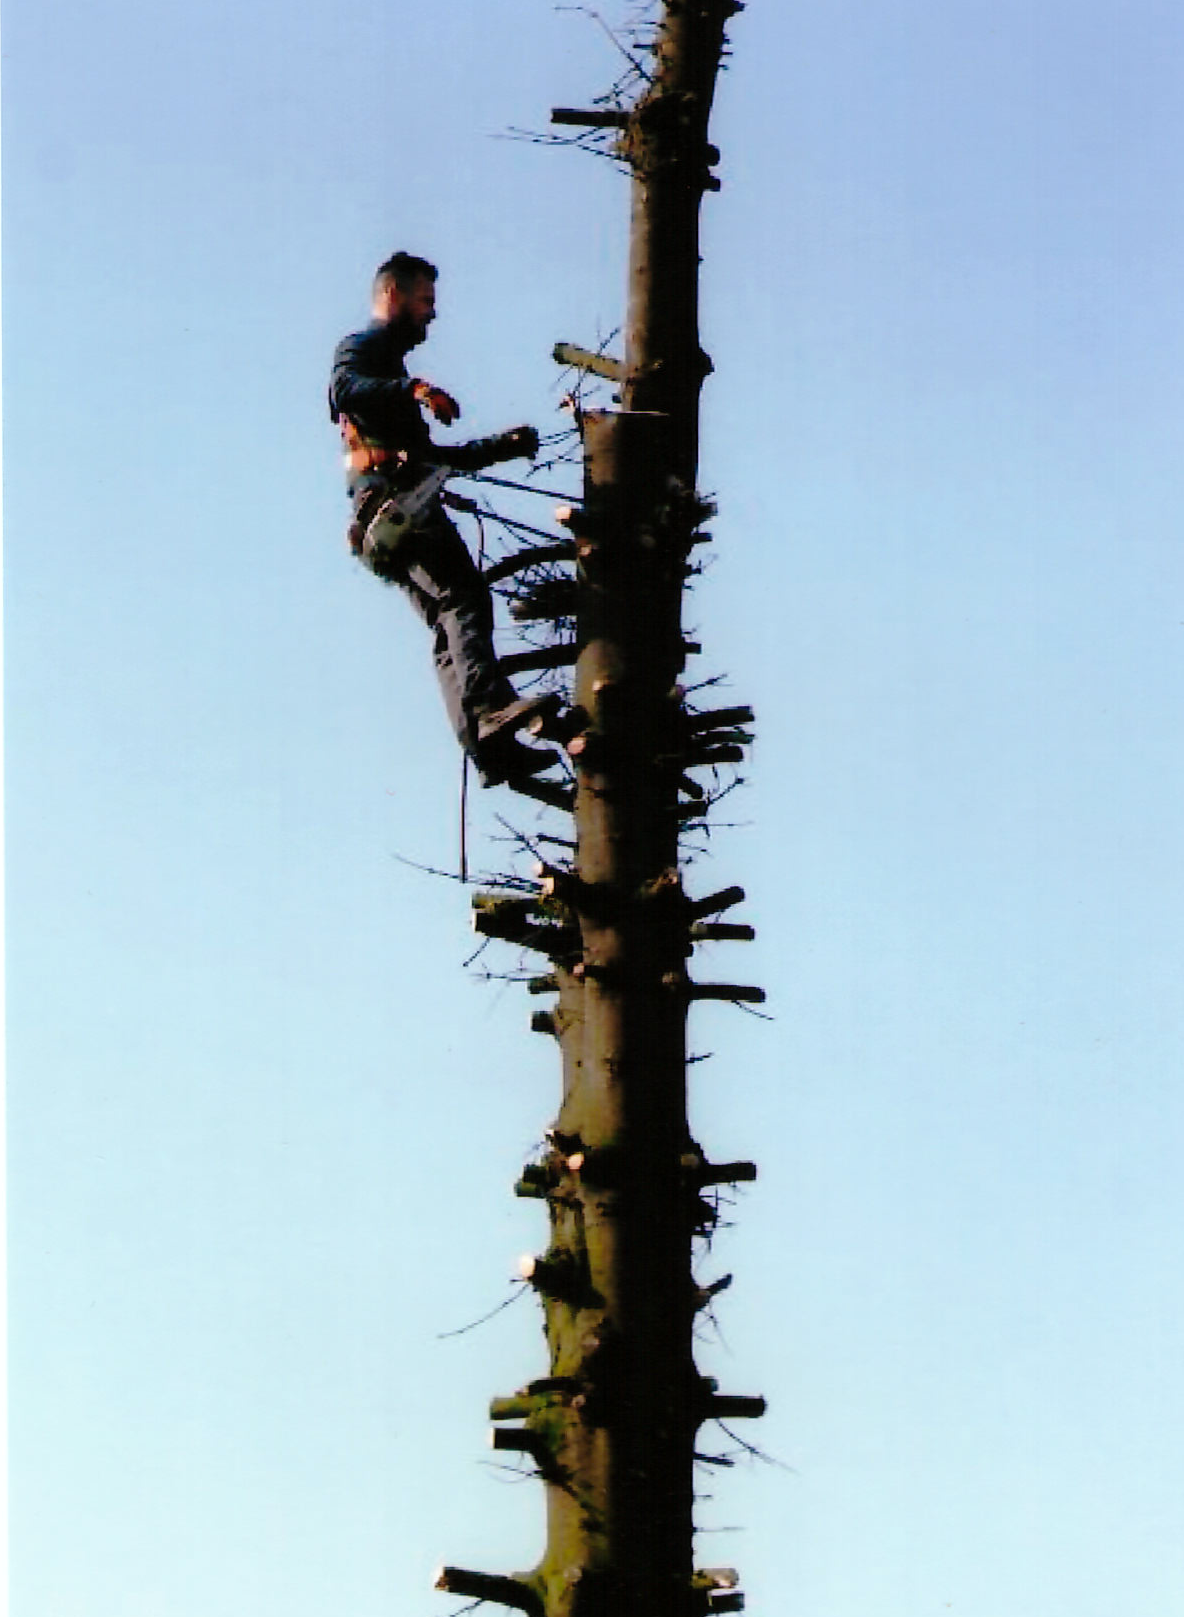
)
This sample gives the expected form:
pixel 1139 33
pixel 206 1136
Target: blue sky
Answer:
pixel 263 1123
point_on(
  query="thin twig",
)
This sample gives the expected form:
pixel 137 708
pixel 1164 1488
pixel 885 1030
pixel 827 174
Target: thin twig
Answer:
pixel 477 953
pixel 520 1285
pixel 628 55
pixel 523 488
pixel 757 1454
pixel 520 837
pixel 431 870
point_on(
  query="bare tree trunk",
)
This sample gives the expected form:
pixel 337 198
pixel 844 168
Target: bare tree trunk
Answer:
pixel 612 1428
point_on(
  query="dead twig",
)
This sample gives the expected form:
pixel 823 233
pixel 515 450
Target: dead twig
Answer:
pixel 520 1286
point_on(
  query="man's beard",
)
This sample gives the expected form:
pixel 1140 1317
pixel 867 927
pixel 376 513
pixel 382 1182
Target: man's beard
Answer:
pixel 408 331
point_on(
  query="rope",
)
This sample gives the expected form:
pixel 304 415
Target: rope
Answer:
pixel 464 757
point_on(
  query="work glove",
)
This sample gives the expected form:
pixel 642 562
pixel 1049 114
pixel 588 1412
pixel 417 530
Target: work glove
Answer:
pixel 442 405
pixel 521 441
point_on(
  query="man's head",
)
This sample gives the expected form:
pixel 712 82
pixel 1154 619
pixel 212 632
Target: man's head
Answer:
pixel 405 295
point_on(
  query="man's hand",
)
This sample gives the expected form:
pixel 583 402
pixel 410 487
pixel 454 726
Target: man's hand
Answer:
pixel 522 442
pixel 442 405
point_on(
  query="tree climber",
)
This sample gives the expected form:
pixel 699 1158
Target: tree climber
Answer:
pixel 400 530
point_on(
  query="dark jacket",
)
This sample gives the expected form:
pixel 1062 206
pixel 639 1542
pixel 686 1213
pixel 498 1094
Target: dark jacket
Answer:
pixel 371 386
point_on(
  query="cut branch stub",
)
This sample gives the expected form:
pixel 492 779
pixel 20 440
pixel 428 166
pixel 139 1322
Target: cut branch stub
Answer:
pixel 557 884
pixel 587 118
pixel 537 1179
pixel 721 932
pixel 737 993
pixel 587 749
pixel 724 1173
pixel 531 1189
pixel 538 1396
pixel 566 888
pixel 716 1577
pixel 519 1440
pixel 516 1593
pixel 515 925
pixel 716 903
pixel 504 905
pixel 699 757
pixel 584 359
pixel 544 791
pixel 733 1406
pixel 721 719
pixel 558 1275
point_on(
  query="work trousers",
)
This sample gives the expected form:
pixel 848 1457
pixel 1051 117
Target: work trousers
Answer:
pixel 435 571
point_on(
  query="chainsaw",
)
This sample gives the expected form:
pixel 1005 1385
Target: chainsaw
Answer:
pixel 378 534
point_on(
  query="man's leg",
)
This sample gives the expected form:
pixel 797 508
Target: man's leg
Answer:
pixel 448 591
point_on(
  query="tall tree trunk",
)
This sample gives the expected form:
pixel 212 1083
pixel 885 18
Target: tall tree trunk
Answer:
pixel 612 1427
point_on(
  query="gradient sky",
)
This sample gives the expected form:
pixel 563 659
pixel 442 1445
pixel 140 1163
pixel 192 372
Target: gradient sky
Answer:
pixel 263 1123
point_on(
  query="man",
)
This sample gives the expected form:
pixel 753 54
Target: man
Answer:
pixel 379 407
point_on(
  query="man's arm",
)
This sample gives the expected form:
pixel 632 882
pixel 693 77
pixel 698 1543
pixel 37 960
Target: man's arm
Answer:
pixel 363 391
pixel 355 389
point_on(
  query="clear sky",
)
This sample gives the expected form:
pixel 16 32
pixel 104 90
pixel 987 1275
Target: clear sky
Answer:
pixel 264 1123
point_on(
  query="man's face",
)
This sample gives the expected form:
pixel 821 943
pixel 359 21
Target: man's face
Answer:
pixel 414 310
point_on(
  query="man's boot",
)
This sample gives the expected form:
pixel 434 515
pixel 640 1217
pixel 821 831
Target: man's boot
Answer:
pixel 503 721
pixel 506 759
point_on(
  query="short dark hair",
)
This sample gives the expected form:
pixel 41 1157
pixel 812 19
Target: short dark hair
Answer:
pixel 403 270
